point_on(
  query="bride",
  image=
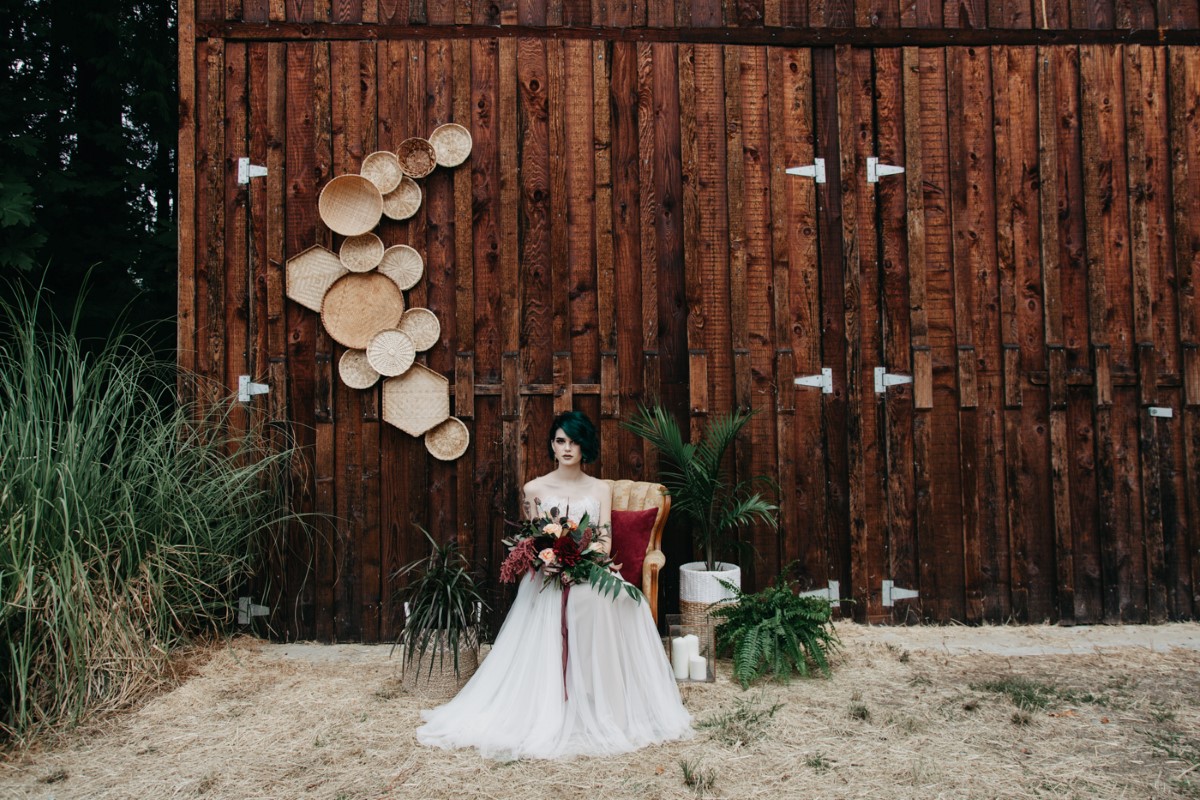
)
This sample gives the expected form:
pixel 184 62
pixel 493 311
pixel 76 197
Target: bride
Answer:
pixel 620 691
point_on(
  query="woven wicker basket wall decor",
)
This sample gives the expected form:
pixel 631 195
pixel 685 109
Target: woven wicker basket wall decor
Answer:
pixel 359 292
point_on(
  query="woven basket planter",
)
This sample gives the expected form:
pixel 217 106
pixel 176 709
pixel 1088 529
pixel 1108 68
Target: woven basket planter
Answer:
pixel 700 589
pixel 432 675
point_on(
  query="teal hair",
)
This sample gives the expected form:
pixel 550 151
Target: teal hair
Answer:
pixel 580 429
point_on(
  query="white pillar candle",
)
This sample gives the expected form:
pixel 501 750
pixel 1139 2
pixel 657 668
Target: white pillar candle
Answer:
pixel 679 657
pixel 693 642
pixel 698 668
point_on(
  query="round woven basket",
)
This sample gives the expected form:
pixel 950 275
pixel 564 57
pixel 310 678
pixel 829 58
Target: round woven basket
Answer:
pixel 451 144
pixel 422 327
pixel 417 157
pixel 448 440
pixel 310 274
pixel 361 253
pixel 391 352
pixel 382 168
pixel 356 371
pixel 350 205
pixel 432 676
pixel 403 265
pixel 403 201
pixel 360 305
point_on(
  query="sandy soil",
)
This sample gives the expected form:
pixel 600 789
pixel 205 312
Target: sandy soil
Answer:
pixel 908 713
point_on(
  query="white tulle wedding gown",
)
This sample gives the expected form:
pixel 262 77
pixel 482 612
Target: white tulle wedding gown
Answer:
pixel 621 693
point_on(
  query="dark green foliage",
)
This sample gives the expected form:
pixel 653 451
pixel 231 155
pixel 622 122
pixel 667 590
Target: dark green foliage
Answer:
pixel 130 523
pixel 443 600
pixel 701 487
pixel 775 632
pixel 88 125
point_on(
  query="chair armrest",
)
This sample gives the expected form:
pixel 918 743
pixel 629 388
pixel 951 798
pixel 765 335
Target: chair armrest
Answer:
pixel 655 560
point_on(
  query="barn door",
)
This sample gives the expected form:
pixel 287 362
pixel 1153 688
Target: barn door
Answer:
pixel 865 321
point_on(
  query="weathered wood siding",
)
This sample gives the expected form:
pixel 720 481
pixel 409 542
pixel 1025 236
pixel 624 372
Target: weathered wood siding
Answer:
pixel 624 229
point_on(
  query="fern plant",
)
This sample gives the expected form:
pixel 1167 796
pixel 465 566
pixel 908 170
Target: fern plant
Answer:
pixel 775 632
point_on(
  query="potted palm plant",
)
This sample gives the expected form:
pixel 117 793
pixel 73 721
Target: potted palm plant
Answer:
pixel 442 609
pixel 704 491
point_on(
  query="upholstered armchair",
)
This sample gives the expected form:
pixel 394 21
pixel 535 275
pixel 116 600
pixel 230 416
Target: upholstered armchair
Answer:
pixel 630 528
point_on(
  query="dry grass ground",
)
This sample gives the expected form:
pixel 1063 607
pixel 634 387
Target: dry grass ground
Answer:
pixel 909 713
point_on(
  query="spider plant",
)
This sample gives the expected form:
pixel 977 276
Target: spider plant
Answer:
pixel 443 605
pixel 700 485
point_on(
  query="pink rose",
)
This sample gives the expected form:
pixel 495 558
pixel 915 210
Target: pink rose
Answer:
pixel 547 555
pixel 553 528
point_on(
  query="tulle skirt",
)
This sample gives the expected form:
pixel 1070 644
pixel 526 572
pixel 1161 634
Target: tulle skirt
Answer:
pixel 621 693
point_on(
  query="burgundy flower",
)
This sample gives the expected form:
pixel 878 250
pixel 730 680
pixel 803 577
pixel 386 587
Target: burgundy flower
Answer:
pixel 520 560
pixel 566 551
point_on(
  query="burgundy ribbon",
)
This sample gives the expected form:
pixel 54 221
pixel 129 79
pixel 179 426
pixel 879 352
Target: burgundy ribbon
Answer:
pixel 566 591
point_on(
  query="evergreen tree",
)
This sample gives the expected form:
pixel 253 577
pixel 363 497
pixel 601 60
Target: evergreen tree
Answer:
pixel 87 152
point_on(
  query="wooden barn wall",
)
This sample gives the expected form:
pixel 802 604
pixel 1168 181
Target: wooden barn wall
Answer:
pixel 624 230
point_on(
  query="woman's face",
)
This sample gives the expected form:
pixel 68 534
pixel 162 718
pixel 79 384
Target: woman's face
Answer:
pixel 566 449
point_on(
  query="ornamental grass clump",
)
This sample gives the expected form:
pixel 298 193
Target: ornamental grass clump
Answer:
pixel 129 521
pixel 775 632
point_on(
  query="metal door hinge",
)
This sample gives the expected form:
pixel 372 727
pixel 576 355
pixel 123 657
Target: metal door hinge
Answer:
pixel 815 170
pixel 884 379
pixel 824 381
pixel 875 170
pixel 246 170
pixel 832 593
pixel 892 593
pixel 247 388
pixel 247 610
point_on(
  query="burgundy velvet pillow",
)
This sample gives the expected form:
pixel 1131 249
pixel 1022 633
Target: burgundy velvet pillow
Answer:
pixel 630 535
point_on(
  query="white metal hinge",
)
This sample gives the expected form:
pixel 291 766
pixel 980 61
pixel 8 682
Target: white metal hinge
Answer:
pixel 1166 412
pixel 884 379
pixel 824 381
pixel 247 388
pixel 246 170
pixel 892 593
pixel 832 593
pixel 875 170
pixel 248 610
pixel 815 170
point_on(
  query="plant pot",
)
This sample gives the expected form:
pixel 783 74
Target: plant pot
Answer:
pixel 700 591
pixel 698 585
pixel 432 675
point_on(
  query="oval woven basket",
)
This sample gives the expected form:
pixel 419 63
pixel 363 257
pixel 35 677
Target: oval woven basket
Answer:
pixel 361 253
pixel 382 168
pixel 391 352
pixel 417 157
pixel 355 371
pixel 403 201
pixel 449 440
pixel 422 327
pixel 350 205
pixel 403 264
pixel 360 305
pixel 451 144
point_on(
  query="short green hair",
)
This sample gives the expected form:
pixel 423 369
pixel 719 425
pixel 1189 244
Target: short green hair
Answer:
pixel 576 425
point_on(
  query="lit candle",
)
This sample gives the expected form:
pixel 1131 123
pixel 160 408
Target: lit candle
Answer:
pixel 693 642
pixel 679 657
pixel 698 668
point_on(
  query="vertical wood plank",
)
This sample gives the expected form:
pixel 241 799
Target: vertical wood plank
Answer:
pixel 210 267
pixel 581 214
pixel 185 310
pixel 509 283
pixel 606 287
pixel 627 267
pixel 895 334
pixel 690 165
pixel 560 263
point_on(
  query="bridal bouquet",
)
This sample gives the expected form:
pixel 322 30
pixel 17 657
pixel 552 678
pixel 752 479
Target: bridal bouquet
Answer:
pixel 563 550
